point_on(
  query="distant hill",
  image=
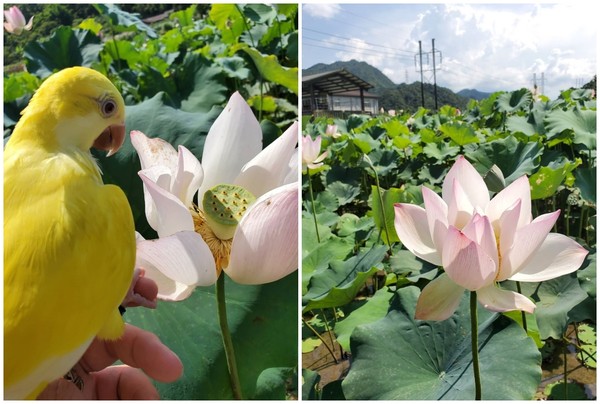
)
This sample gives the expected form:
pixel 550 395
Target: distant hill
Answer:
pixel 363 70
pixel 473 94
pixel 397 96
pixel 408 97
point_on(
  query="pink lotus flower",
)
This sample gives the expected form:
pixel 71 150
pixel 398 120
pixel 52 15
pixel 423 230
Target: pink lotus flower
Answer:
pixel 15 21
pixel 480 242
pixel 332 131
pixel 192 248
pixel 310 152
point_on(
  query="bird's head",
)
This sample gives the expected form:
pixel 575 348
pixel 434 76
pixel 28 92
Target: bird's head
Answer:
pixel 87 109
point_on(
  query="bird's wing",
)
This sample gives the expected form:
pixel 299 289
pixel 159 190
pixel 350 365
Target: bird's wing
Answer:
pixel 68 261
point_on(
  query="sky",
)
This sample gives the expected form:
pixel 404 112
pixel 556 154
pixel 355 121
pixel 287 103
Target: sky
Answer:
pixel 488 47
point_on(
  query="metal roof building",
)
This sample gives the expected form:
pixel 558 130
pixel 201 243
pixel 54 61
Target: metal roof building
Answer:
pixel 320 86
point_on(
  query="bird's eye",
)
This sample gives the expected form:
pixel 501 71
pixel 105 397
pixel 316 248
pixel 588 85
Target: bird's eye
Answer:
pixel 108 107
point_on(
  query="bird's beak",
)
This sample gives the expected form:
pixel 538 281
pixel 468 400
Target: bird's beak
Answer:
pixel 111 139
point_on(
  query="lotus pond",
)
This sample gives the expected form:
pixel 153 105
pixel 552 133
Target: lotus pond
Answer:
pixel 361 285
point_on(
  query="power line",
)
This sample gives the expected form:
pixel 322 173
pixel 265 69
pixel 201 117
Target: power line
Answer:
pixel 362 16
pixel 345 22
pixel 483 75
pixel 346 38
pixel 400 58
pixel 364 50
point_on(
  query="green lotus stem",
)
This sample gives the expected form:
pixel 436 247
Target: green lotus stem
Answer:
pixel 554 210
pixel 312 204
pixel 321 338
pixel 244 19
pixel 475 345
pixel 580 349
pixel 581 222
pixel 567 217
pixel 565 380
pixel 523 317
pixel 329 332
pixel 234 378
pixel 114 41
pixel 578 342
pixel 387 233
pixel 247 27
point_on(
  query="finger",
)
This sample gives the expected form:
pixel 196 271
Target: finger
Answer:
pixel 64 389
pixel 146 288
pixel 142 291
pixel 124 383
pixel 61 389
pixel 137 348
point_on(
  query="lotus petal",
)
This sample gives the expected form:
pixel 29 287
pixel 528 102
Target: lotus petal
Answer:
pixel 188 178
pixel 495 299
pixel 518 190
pixel 557 256
pixel 172 215
pixel 177 263
pixel 526 242
pixel 412 228
pixel 439 299
pixel 437 217
pixel 466 262
pixel 268 169
pixel 265 244
pixel 154 151
pixel 471 183
pixel 233 140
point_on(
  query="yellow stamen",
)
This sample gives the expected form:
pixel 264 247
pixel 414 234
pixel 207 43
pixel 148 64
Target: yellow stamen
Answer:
pixel 221 249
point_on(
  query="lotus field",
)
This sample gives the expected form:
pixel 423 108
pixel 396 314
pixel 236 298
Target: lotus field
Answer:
pixel 451 254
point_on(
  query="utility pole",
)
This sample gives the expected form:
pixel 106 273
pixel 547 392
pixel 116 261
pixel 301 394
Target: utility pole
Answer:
pixel 434 81
pixel 421 67
pixel 542 92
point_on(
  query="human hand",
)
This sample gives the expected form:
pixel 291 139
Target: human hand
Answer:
pixel 137 348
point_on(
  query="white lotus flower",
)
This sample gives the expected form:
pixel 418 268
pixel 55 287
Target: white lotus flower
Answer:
pixel 332 131
pixel 258 244
pixel 480 242
pixel 310 152
pixel 15 21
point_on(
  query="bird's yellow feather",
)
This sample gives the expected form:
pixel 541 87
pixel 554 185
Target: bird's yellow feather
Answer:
pixel 69 239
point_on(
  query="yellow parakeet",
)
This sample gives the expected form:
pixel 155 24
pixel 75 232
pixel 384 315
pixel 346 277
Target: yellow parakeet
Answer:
pixel 69 239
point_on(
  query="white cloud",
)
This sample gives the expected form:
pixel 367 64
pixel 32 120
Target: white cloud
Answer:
pixel 321 10
pixel 489 47
pixel 393 75
pixel 500 47
pixel 356 49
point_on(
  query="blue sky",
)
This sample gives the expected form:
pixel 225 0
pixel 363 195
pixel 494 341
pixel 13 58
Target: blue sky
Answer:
pixel 489 47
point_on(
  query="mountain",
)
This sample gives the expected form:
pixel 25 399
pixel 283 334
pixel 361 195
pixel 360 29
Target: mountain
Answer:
pixel 363 70
pixel 408 97
pixel 395 96
pixel 473 94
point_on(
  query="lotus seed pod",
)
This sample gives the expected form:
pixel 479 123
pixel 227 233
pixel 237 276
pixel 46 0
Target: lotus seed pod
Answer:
pixel 224 205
